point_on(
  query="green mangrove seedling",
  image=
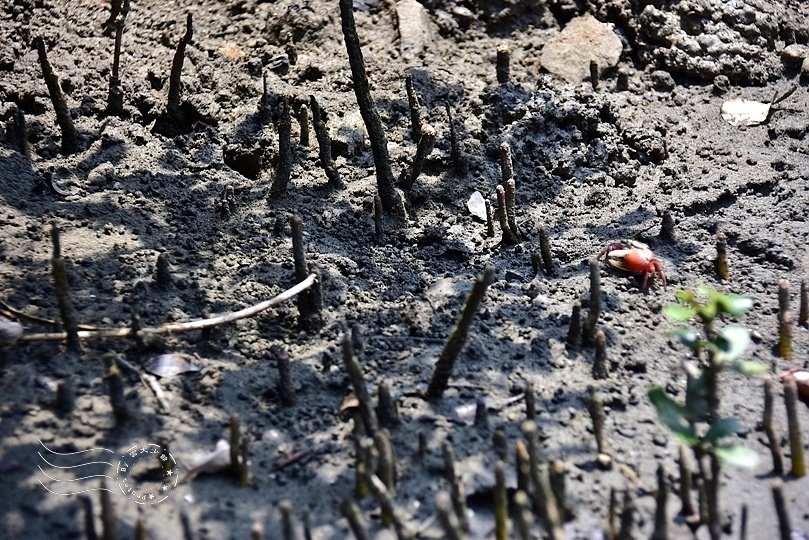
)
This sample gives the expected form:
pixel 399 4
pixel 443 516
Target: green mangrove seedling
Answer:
pixel 697 422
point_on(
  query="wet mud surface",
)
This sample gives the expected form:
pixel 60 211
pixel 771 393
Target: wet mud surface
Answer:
pixel 591 166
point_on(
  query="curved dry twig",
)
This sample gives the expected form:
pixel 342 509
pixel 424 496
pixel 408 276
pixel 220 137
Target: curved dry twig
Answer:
pixel 168 328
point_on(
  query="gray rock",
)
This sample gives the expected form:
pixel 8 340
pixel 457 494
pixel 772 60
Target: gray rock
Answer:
pixel 584 39
pixel 415 30
pixel 662 80
pixel 706 38
pixel 794 53
pixel 721 85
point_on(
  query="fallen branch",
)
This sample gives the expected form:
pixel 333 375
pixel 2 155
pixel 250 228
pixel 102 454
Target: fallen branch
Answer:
pixel 199 324
pixel 11 312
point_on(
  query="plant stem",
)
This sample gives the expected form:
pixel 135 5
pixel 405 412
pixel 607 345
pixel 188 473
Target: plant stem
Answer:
pixel 71 140
pixel 784 524
pixel 500 502
pixel 175 83
pixel 358 383
pixel 62 292
pixel 769 430
pixel 356 522
pixel 283 170
pixel 795 440
pixel 324 145
pixel 456 341
pixel 391 200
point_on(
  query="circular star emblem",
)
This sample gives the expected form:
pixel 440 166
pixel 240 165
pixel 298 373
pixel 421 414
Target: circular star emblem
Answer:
pixel 149 461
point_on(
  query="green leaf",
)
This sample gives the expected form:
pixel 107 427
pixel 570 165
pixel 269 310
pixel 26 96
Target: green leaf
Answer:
pixel 749 368
pixel 734 305
pixel 672 415
pixel 736 455
pixel 686 336
pixel 732 342
pixel 685 296
pixel 705 290
pixel 709 310
pixel 688 438
pixel 722 428
pixel 678 312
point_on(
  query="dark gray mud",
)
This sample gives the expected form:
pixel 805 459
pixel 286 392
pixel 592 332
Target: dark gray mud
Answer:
pixel 591 166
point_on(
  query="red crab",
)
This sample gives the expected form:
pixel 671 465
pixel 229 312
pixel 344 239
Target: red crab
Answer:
pixel 634 257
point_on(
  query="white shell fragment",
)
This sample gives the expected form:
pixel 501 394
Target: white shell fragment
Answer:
pixel 477 206
pixel 745 112
pixel 214 461
pixel 170 365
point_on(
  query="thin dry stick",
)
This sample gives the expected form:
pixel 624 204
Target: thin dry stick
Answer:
pixel 109 523
pixel 522 516
pixel 287 520
pixel 506 164
pixel 489 219
pixel 324 145
pixel 10 312
pixel 386 410
pixel 199 324
pixel 458 496
pixel 425 146
pixel 627 516
pixel 589 326
pixel 352 513
pixel 500 502
pixel 303 121
pixel 391 200
pixel 173 109
pixel 385 501
pixel 542 496
pixel 803 310
pixel 17 133
pixel 386 469
pixel 721 261
pixel 456 341
pixel 257 531
pixel 784 321
pixel 283 170
pixel 358 384
pixel 595 406
pixel 769 430
pixel 557 477
pixel 511 209
pixel 502 215
pixel 522 465
pixel 573 340
pixel 784 524
pixel 600 370
pixel 115 96
pixel 685 483
pixel 87 517
pixel 308 303
pixel 71 140
pixel 545 251
pixel 502 67
pixel 447 518
pixel 661 531
pixel 414 104
pixel 62 291
pixel 795 441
